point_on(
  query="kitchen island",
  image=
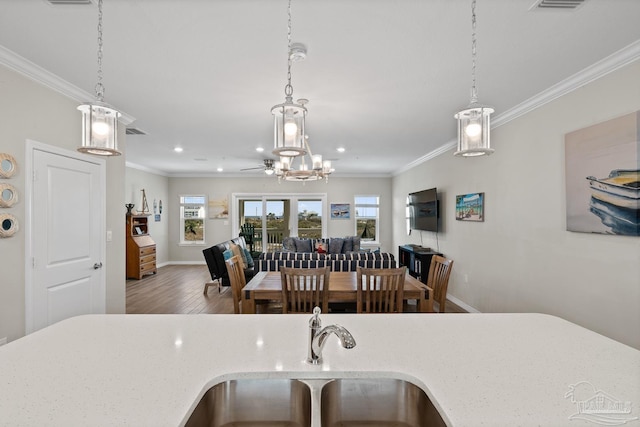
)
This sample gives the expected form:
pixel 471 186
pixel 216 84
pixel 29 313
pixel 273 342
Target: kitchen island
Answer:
pixel 151 370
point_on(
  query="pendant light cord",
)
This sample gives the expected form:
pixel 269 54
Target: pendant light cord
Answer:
pixel 474 91
pixel 99 85
pixel 288 89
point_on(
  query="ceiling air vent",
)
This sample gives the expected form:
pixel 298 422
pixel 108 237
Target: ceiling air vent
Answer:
pixel 67 2
pixel 135 131
pixel 557 4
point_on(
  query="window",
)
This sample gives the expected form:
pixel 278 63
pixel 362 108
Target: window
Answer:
pixel 276 216
pixel 367 209
pixel 192 215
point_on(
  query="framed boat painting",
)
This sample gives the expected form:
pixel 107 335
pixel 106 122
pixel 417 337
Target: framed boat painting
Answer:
pixel 340 211
pixel 602 182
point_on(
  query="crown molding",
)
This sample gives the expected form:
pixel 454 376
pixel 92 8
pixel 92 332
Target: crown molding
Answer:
pixel 46 78
pixel 145 169
pixel 611 63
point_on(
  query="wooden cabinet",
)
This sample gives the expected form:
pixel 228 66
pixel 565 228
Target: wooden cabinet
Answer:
pixel 141 249
pixel 417 260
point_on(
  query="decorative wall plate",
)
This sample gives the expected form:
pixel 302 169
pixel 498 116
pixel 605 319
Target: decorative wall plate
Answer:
pixel 8 195
pixel 8 225
pixel 8 165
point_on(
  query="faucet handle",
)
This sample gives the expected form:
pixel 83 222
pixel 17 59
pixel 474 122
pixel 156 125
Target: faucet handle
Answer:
pixel 315 322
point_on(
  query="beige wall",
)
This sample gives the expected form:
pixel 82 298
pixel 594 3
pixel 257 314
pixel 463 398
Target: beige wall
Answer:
pixel 339 190
pixel 32 111
pixel 156 187
pixel 521 258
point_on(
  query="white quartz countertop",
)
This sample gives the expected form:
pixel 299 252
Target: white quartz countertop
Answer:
pixel 151 370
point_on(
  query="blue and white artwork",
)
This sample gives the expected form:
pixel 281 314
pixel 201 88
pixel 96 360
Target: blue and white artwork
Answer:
pixel 602 177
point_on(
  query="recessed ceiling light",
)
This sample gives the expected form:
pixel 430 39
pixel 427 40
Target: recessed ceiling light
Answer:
pixel 219 169
pixel 259 149
pixel 341 150
pixel 178 149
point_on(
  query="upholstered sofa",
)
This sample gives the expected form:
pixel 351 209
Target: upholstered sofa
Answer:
pixel 272 261
pixel 214 256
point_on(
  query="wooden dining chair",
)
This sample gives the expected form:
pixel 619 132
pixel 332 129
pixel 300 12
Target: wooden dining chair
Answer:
pixel 305 288
pixel 438 279
pixel 237 279
pixel 380 290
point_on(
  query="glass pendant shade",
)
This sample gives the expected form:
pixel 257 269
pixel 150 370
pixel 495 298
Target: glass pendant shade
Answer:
pixel 99 130
pixel 473 131
pixel 288 129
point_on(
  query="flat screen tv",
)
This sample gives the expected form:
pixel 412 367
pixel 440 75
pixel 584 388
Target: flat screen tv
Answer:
pixel 423 210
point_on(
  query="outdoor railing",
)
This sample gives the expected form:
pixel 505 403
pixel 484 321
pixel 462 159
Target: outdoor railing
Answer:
pixel 274 238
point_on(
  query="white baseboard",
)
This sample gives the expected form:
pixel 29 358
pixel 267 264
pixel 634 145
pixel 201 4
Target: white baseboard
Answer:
pixel 182 263
pixel 462 304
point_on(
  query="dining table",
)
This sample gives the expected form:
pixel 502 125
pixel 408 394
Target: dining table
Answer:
pixel 267 286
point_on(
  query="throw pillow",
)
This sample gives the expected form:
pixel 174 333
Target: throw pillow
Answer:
pixel 321 247
pixel 227 254
pixel 248 256
pixel 356 243
pixel 303 245
pixel 335 245
pixel 288 244
pixel 348 244
pixel 237 250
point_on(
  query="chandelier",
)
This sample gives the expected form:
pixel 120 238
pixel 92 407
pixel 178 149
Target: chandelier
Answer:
pixel 289 117
pixel 314 171
pixel 99 120
pixel 474 121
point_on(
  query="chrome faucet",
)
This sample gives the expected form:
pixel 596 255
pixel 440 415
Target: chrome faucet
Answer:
pixel 318 337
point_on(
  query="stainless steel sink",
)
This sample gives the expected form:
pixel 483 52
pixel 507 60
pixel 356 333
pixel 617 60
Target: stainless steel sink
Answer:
pixel 254 402
pixel 389 402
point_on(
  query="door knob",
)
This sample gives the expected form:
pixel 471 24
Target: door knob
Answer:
pixel 97 265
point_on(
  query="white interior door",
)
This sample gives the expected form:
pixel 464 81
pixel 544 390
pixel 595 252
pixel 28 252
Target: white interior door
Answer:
pixel 66 238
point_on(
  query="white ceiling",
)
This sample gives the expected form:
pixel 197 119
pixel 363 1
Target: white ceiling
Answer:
pixel 384 77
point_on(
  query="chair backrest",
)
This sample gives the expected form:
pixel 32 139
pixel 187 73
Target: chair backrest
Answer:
pixel 438 279
pixel 247 231
pixel 305 288
pixel 238 281
pixel 380 290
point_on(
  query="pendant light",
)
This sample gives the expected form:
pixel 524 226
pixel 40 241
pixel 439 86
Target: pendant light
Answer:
pixel 474 121
pixel 99 120
pixel 289 117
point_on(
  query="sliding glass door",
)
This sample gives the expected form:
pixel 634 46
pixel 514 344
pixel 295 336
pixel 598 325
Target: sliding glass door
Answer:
pixel 274 217
pixel 310 217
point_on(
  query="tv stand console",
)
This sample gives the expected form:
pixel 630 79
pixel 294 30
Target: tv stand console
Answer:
pixel 417 260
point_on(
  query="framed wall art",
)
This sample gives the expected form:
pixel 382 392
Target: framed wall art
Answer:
pixel 601 177
pixel 7 165
pixel 218 207
pixel 8 225
pixel 340 211
pixel 8 195
pixel 470 207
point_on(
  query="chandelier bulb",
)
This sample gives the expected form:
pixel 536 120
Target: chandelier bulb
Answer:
pixel 290 128
pixel 473 129
pixel 100 128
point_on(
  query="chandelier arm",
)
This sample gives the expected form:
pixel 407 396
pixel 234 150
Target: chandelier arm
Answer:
pixel 306 143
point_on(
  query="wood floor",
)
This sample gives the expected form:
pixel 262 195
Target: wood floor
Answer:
pixel 178 289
